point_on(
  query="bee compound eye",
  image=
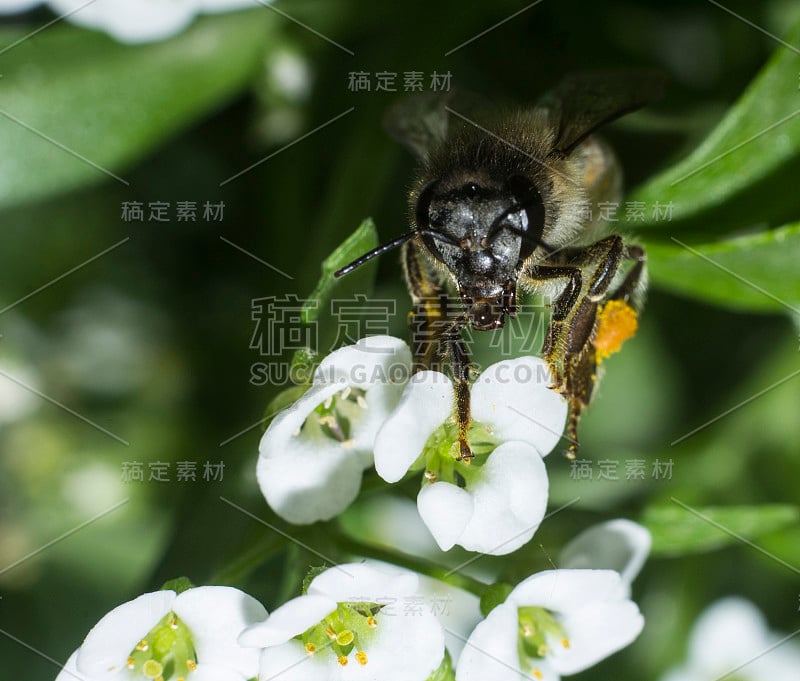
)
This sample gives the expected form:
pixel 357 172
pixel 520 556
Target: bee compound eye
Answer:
pixel 422 215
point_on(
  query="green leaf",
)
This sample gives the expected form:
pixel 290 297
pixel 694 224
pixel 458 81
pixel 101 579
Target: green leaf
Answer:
pixel 178 585
pixel 110 103
pixel 679 529
pixel 756 273
pixel 445 672
pixel 285 398
pixel 364 239
pixel 494 595
pixel 751 145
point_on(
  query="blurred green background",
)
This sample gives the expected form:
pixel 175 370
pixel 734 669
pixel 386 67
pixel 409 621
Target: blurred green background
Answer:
pixel 151 341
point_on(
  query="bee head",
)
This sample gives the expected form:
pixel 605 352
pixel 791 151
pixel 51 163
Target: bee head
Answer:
pixel 482 230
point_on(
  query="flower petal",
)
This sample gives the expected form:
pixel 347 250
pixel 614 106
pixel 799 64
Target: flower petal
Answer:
pixel 491 650
pixel 309 484
pixel 446 511
pixel 372 360
pixel 380 365
pixel 14 6
pixel 211 672
pixel 595 631
pixel 291 662
pixel 514 397
pixel 620 545
pixel 407 646
pixel 369 582
pixel 287 621
pixel 107 646
pixel 727 634
pixel 510 500
pixel 216 615
pixel 563 591
pixel 69 672
pixel 458 612
pixel 427 403
pixel 129 22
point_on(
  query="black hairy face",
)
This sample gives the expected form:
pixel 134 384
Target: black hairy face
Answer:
pixel 482 232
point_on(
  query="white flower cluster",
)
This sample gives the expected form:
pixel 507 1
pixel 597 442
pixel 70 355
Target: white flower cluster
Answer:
pixel 365 406
pixel 131 21
pixel 350 624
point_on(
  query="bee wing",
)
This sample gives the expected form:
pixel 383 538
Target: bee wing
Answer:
pixel 421 121
pixel 583 102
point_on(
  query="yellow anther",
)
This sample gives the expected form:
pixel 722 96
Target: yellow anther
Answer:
pixel 542 650
pixel 361 658
pixel 173 623
pixel 372 622
pixel 346 392
pixel 430 476
pixel 311 648
pixel 131 663
pixel 192 665
pixel 142 645
pixel 328 403
pixel 342 660
pixel 328 420
pixel 331 633
pixel 565 642
pixel 361 402
pixel 538 674
pixel 345 637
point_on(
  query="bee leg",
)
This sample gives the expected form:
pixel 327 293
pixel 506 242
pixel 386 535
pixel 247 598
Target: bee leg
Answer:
pixel 435 332
pixel 428 319
pixel 461 365
pixel 555 339
pixel 568 347
pixel 628 290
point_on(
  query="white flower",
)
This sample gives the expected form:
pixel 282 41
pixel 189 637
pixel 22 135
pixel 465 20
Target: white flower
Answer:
pixel 494 503
pixel 313 453
pixel 16 6
pixel 620 545
pixel 132 21
pixel 354 622
pixel 554 622
pixel 731 638
pixel 161 632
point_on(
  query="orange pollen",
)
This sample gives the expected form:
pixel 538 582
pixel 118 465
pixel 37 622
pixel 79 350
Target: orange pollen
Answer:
pixel 617 322
pixel 372 622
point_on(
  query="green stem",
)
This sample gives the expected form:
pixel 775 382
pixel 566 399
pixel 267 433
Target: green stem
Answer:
pixel 238 569
pixel 420 565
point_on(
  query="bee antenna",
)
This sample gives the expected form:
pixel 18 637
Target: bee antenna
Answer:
pixel 388 246
pixel 374 253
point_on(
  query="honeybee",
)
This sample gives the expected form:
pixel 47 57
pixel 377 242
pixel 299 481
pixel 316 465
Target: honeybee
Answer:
pixel 501 201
